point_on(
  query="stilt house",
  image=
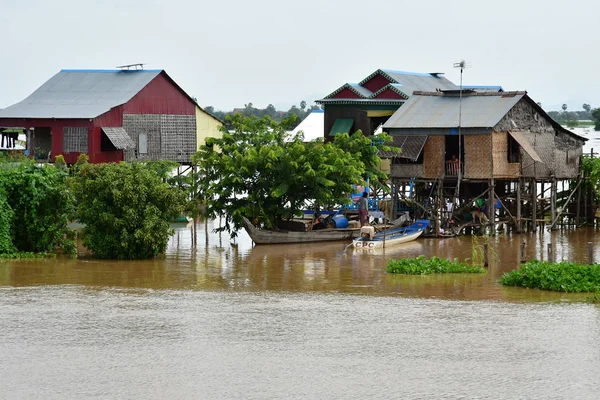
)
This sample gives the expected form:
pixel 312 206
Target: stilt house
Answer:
pixel 111 115
pixel 458 146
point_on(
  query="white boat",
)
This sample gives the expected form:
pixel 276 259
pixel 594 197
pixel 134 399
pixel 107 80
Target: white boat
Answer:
pixel 391 237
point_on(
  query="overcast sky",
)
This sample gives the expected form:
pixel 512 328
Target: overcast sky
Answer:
pixel 230 52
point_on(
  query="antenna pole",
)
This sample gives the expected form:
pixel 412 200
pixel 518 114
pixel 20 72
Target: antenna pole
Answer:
pixel 459 122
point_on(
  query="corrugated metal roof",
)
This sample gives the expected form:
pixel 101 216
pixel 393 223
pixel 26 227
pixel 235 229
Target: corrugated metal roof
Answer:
pixel 439 110
pixel 412 81
pixel 119 138
pixel 411 147
pixel 81 94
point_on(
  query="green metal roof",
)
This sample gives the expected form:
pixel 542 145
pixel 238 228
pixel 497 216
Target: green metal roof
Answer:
pixel 341 125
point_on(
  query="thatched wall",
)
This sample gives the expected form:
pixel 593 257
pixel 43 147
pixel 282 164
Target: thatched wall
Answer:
pixel 169 137
pixel 558 150
pixel 433 157
pixel 502 168
pixel 406 171
pixel 478 160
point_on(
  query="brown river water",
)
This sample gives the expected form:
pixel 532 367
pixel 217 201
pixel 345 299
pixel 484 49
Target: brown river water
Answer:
pixel 218 320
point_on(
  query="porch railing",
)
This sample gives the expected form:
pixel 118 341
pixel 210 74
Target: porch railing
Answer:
pixel 452 168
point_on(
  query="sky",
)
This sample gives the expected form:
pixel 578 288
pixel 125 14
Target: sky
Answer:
pixel 228 53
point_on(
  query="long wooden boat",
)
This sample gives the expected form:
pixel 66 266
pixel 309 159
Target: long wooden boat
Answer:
pixel 264 236
pixel 392 237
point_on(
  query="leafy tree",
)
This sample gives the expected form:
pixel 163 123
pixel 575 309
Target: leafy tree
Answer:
pixel 125 208
pixel 596 116
pixel 587 107
pixel 256 170
pixel 35 205
pixel 564 107
pixel 302 105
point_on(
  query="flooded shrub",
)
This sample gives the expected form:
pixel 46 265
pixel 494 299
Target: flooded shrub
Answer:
pixel 433 265
pixel 561 277
pixel 125 208
pixel 36 205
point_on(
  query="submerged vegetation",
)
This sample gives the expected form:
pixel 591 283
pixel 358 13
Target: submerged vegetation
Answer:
pixel 561 277
pixel 124 207
pixel 36 205
pixel 433 265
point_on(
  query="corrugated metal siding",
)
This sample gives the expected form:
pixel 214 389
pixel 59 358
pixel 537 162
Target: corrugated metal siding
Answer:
pixel 502 168
pixel 478 160
pixel 160 96
pixel 433 157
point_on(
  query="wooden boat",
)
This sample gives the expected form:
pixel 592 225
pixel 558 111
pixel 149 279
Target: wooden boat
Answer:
pixel 264 236
pixel 392 237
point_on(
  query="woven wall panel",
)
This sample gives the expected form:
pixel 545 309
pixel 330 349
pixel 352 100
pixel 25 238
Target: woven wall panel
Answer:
pixel 149 124
pixel 75 140
pixel 478 158
pixel 502 168
pixel 433 157
pixel 406 171
pixel 178 137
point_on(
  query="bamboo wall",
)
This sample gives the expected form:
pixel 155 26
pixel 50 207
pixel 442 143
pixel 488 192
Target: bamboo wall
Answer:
pixel 478 160
pixel 433 157
pixel 502 168
pixel 406 171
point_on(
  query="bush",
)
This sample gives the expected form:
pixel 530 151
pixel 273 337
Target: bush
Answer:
pixel 434 265
pixel 561 277
pixel 36 206
pixel 125 208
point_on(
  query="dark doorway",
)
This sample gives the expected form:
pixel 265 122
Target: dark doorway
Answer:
pixel 455 154
pixel 106 144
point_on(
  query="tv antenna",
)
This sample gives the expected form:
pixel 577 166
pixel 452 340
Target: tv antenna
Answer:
pixel 462 64
pixel 128 67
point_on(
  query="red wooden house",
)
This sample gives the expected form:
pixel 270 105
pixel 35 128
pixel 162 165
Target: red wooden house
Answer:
pixel 111 115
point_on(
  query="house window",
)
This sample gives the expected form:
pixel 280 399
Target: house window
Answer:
pixel 143 143
pixel 75 140
pixel 513 152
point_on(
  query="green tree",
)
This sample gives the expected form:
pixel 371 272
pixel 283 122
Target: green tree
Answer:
pixel 256 170
pixel 36 205
pixel 596 116
pixel 586 107
pixel 564 107
pixel 125 208
pixel 302 105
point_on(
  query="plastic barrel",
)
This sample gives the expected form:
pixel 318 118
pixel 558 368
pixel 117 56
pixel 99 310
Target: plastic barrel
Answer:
pixel 340 221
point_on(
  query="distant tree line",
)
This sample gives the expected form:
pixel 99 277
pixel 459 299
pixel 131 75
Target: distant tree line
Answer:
pixel 300 112
pixel 573 118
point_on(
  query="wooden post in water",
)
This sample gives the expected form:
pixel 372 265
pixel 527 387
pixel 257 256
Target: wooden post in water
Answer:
pixel 550 255
pixel 491 208
pixel 578 215
pixel 523 257
pixel 519 187
pixel 485 255
pixel 590 252
pixel 533 205
pixel 553 200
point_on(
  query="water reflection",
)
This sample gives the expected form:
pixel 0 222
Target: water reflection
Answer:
pixel 197 258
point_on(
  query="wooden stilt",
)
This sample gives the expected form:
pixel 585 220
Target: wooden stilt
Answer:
pixel 553 201
pixel 578 215
pixel 491 203
pixel 533 205
pixel 519 223
pixel 395 195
